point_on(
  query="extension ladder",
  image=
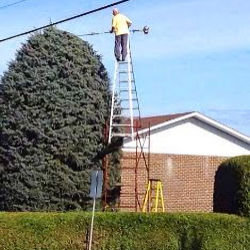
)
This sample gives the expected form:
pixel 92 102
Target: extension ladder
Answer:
pixel 125 104
pixel 153 200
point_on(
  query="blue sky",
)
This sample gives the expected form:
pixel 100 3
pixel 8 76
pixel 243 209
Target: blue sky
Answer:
pixel 196 57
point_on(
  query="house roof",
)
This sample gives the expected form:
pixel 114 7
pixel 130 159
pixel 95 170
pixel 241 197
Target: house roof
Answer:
pixel 156 122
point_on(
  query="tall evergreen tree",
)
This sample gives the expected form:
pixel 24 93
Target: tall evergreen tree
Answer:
pixel 53 106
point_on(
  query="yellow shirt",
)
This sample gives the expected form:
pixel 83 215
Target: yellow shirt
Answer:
pixel 120 24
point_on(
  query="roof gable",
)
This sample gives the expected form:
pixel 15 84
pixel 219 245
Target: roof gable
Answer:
pixel 151 121
pixel 157 122
pixel 189 134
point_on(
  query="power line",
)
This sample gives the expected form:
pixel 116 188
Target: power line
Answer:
pixel 64 20
pixel 11 4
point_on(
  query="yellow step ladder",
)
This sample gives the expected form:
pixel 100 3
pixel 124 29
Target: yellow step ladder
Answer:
pixel 153 200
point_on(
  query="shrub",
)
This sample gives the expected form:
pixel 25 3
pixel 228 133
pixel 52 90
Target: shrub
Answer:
pixel 232 186
pixel 124 231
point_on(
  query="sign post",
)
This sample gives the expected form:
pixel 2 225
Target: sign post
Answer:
pixel 95 192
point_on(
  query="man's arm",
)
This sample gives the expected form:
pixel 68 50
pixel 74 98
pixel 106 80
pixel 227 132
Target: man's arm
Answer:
pixel 112 29
pixel 129 22
pixel 112 26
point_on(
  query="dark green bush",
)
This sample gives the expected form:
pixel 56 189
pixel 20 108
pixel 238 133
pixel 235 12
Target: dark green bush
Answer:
pixel 124 231
pixel 53 107
pixel 232 186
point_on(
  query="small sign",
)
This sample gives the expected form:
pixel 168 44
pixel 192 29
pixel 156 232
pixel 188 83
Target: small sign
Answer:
pixel 96 184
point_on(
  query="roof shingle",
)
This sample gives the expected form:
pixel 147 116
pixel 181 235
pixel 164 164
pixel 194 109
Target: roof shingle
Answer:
pixel 155 120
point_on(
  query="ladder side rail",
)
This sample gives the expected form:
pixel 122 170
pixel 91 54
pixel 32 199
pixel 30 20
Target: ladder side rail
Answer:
pixel 119 87
pixel 162 200
pixel 142 146
pixel 146 199
pixel 136 172
pixel 113 102
pixel 137 100
pixel 158 185
pixel 130 91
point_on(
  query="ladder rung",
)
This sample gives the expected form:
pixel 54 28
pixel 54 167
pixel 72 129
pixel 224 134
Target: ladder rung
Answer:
pixel 126 81
pixel 125 71
pixel 121 108
pixel 121 125
pixel 121 135
pixel 126 90
pixel 136 108
pixel 126 100
pixel 156 180
pixel 124 62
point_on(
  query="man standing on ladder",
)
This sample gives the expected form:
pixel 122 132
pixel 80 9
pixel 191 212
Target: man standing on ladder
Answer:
pixel 120 25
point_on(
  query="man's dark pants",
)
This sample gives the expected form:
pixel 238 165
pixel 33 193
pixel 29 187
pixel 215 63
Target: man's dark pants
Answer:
pixel 121 41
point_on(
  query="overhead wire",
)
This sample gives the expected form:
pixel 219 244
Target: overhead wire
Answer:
pixel 64 20
pixel 11 4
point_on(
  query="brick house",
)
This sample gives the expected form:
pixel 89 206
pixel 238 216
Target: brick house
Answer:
pixel 185 152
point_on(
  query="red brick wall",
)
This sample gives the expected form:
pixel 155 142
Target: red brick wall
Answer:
pixel 188 181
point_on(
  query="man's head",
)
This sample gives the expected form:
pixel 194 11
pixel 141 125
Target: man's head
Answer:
pixel 115 11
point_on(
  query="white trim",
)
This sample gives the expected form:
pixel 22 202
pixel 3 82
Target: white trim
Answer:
pixel 223 127
pixel 204 119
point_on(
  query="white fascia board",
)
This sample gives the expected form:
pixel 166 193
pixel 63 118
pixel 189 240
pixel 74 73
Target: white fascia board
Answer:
pixel 163 124
pixel 203 118
pixel 222 127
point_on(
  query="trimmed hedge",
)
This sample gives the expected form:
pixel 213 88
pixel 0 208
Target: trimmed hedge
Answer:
pixel 124 231
pixel 232 186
